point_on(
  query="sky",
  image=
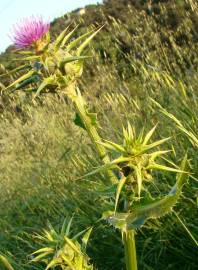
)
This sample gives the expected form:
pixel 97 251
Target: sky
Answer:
pixel 12 11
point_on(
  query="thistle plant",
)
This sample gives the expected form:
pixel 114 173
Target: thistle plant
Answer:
pixel 30 32
pixel 55 67
pixel 134 202
pixel 59 249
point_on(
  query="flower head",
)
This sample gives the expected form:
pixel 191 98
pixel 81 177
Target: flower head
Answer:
pixel 28 31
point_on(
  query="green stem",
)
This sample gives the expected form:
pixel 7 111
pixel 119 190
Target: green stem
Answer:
pixel 93 134
pixel 130 250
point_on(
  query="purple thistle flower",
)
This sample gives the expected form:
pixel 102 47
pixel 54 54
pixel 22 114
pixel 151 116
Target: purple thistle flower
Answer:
pixel 28 31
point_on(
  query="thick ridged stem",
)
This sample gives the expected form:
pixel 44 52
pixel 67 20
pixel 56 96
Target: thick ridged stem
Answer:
pixel 130 250
pixel 93 134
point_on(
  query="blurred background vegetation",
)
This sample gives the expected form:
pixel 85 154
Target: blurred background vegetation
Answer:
pixel 147 49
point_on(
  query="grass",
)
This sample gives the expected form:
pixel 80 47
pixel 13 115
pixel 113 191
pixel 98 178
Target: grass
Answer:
pixel 43 151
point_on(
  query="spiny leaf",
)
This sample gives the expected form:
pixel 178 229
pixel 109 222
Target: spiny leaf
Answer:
pixel 67 37
pixel 163 168
pixel 107 166
pixel 32 79
pixel 15 70
pixel 157 143
pixel 149 135
pixel 52 230
pixel 156 209
pixel 19 51
pixel 66 232
pixel 86 42
pixel 112 146
pixel 41 256
pixel 22 78
pixel 85 239
pixel 158 153
pixel 119 189
pixel 53 263
pixel 72 245
pixel 46 82
pixel 139 178
pixel 48 236
pixel 41 250
pixel 28 58
pixel 130 131
pixel 78 40
pixel 59 39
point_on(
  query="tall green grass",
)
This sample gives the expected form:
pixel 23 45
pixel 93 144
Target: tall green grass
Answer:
pixel 42 151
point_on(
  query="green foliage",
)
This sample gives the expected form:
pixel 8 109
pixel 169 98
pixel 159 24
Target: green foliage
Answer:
pixel 152 209
pixel 52 66
pixel 6 263
pixel 61 251
pixel 135 161
pixel 138 55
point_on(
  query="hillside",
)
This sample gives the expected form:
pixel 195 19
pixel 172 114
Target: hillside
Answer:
pixel 147 50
